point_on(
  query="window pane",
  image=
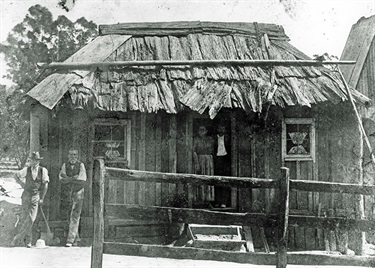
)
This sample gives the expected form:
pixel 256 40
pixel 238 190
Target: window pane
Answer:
pixel 298 139
pixel 102 132
pixel 114 150
pixel 118 133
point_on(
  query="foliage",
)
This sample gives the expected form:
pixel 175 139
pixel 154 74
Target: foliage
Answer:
pixel 38 38
pixel 14 130
pixel 327 57
pixel 67 5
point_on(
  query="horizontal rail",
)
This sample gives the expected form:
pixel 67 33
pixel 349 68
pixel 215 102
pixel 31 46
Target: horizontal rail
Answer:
pixel 297 258
pixel 280 221
pixel 159 251
pixel 120 64
pixel 148 176
pixel 331 223
pixel 202 216
pixel 331 187
pixel 189 215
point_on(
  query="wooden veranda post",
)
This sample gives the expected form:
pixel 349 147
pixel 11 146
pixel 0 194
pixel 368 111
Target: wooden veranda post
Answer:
pixel 283 219
pixel 98 203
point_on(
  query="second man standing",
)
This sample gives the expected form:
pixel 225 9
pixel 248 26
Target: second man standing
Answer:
pixel 73 173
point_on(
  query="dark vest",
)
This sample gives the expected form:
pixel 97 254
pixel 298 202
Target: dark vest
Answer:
pixel 34 186
pixel 70 172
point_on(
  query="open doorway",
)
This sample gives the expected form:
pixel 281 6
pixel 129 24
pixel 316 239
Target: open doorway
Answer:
pixel 212 156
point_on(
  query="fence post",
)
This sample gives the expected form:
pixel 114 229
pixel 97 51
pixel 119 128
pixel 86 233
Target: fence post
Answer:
pixel 283 219
pixel 98 204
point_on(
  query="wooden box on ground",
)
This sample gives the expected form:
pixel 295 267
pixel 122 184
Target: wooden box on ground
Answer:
pixel 217 237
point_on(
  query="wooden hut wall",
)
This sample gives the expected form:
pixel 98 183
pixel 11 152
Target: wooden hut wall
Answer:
pixel 366 85
pixel 163 142
pixel 366 81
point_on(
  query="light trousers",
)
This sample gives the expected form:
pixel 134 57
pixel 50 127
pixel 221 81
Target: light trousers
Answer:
pixel 30 203
pixel 75 215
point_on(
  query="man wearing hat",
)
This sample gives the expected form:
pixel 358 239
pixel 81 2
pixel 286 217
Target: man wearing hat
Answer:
pixel 34 180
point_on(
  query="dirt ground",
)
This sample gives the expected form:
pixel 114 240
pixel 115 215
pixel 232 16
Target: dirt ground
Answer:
pixel 79 257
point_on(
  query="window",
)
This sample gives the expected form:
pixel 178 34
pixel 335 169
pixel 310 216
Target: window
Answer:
pixel 112 140
pixel 298 139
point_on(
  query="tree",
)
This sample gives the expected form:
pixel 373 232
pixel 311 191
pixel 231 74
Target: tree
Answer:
pixel 14 130
pixel 38 38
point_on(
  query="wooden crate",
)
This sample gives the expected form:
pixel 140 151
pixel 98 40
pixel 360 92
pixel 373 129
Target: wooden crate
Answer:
pixel 217 237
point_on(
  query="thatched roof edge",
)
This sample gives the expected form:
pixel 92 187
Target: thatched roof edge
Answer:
pixel 49 91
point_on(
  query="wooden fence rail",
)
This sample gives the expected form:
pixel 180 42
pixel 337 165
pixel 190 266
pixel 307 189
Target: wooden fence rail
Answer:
pixel 279 221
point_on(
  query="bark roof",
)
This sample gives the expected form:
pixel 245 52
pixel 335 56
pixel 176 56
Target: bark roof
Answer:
pixel 201 88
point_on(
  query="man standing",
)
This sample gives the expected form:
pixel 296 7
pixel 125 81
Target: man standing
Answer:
pixel 222 165
pixel 35 188
pixel 73 173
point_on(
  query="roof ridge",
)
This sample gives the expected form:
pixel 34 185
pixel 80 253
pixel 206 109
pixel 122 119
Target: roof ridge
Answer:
pixel 179 28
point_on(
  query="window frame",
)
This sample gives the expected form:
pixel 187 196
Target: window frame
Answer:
pixel 126 123
pixel 298 157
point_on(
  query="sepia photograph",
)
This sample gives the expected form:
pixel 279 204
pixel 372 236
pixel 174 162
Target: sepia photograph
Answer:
pixel 187 133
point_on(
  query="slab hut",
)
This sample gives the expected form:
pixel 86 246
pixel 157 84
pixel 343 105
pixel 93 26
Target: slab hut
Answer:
pixel 360 46
pixel 147 117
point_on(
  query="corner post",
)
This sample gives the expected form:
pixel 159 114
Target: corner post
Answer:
pixel 98 204
pixel 283 219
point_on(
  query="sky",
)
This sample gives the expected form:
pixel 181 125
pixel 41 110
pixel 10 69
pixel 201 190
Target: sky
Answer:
pixel 314 26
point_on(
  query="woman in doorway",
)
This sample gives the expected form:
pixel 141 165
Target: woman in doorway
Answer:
pixel 203 163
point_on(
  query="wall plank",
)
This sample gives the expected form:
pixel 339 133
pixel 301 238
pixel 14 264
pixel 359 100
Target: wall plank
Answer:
pixel 165 123
pixel 172 151
pixel 158 145
pixel 150 187
pixel 142 158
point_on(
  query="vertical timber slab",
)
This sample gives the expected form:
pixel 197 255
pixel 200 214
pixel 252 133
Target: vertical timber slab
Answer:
pixel 172 145
pixel 150 157
pixel 244 166
pixel 259 163
pixel 53 141
pixel 315 166
pixel 182 152
pixel 234 164
pixel 360 206
pixel 34 131
pixel 165 194
pixel 266 154
pixel 60 159
pixel 45 151
pixel 90 164
pixel 254 192
pixel 282 244
pixel 301 205
pixel 43 132
pixel 298 177
pixel 189 151
pixel 158 144
pixel 98 201
pixel 130 185
pixel 142 158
